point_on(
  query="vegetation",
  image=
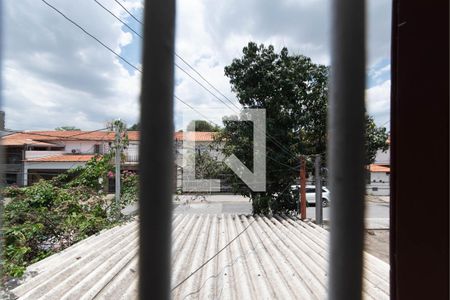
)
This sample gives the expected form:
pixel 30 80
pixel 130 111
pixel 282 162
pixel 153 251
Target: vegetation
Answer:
pixel 67 128
pixel 52 215
pixel 203 126
pixel 135 127
pixel 294 91
pixel 130 187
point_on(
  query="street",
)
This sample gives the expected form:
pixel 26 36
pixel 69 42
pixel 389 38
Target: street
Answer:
pixel 377 212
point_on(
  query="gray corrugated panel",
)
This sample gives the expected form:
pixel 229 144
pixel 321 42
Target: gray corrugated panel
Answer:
pixel 271 258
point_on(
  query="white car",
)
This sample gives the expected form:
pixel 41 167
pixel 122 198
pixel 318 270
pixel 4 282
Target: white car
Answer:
pixel 311 194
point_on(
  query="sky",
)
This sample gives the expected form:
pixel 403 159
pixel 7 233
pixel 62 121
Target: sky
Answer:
pixel 55 75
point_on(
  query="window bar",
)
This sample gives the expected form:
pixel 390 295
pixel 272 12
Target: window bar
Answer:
pixel 155 152
pixel 346 148
pixel 2 149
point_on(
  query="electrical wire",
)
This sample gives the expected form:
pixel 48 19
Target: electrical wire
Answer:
pixel 212 257
pixel 206 118
pixel 176 54
pixel 139 70
pixel 119 19
pixel 92 36
pixel 385 123
pixel 131 15
pixel 287 151
pixel 178 66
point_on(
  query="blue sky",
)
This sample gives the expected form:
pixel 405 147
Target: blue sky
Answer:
pixel 59 76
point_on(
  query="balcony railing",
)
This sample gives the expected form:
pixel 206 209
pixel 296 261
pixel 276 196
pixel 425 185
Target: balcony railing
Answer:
pixel 30 154
pixel 131 157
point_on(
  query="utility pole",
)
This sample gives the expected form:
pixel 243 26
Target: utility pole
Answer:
pixel 319 208
pixel 117 161
pixel 302 196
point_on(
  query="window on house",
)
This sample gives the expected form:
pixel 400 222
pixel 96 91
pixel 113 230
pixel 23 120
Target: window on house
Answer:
pixel 97 149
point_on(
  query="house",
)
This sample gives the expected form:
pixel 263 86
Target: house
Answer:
pixel 203 143
pixel 379 173
pixel 32 155
pixel 379 180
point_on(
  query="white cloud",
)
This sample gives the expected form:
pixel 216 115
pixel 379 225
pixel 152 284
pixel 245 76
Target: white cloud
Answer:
pixel 376 73
pixel 56 75
pixel 378 102
pixel 211 33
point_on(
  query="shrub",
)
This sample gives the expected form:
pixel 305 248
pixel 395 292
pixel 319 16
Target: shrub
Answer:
pixel 130 187
pixel 52 215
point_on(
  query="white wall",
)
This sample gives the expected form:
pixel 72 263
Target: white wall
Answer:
pixel 84 147
pixel 132 151
pixel 29 165
pixel 379 184
pixel 382 158
pixel 133 148
pixel 29 154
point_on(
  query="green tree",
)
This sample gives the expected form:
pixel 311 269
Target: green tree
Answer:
pixel 203 126
pixel 376 139
pixel 294 91
pixel 67 128
pixel 135 127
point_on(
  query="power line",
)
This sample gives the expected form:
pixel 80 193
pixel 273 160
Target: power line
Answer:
pixel 206 118
pixel 198 73
pixel 178 66
pixel 385 123
pixel 128 12
pixel 119 19
pixel 195 70
pixel 87 132
pixel 92 36
pixel 190 106
pixel 137 69
pixel 176 54
pixel 204 87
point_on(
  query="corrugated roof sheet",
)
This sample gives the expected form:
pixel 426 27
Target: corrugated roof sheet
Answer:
pixel 274 258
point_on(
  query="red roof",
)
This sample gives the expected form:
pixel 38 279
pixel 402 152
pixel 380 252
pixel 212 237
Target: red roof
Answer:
pixel 20 140
pixel 195 135
pixel 64 158
pixel 49 137
pixel 379 168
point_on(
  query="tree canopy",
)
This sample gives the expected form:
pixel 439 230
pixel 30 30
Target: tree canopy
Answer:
pixel 294 92
pixel 135 127
pixel 67 128
pixel 202 125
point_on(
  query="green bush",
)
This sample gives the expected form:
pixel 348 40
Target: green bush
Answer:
pixel 52 215
pixel 12 191
pixel 130 187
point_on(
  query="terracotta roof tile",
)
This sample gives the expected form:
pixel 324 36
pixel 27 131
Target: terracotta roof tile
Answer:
pixel 197 135
pixel 379 168
pixel 50 138
pixel 63 158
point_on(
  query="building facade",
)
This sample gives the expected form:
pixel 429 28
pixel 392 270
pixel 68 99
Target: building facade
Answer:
pixel 34 155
